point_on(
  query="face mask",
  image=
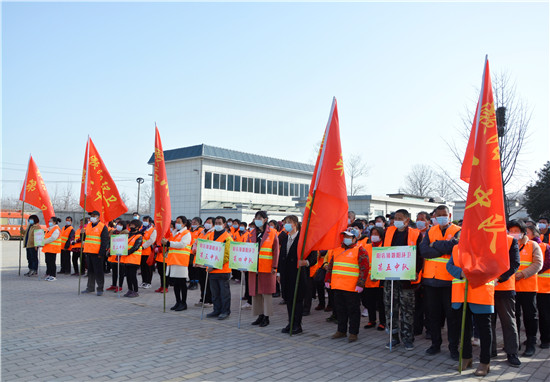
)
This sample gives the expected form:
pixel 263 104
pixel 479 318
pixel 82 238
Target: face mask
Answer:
pixel 241 229
pixel 398 224
pixel 348 241
pixel 541 226
pixel 194 226
pixel 67 223
pixel 517 236
pixel 250 229
pixel 442 220
pixel 136 217
pixel 51 224
pixel 235 226
pixel 349 221
pixel 31 222
pixel 94 220
pixel 375 239
pixel 434 221
pixel 288 227
pixel 178 226
pixel 370 226
pixel 119 228
pixel 259 223
pixel 421 224
pixel 146 224
pixel 207 226
pixel 379 224
pixel 218 227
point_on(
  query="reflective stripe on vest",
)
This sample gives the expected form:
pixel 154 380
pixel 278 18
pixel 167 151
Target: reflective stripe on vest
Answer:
pixel 265 256
pixel 65 233
pixel 146 236
pixel 529 284
pixel 55 246
pixel 92 242
pixel 134 257
pixel 436 268
pixel 178 256
pixel 345 269
pixel 76 236
pixel 544 277
pixel 483 295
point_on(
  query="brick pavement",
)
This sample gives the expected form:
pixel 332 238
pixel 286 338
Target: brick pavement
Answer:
pixel 49 333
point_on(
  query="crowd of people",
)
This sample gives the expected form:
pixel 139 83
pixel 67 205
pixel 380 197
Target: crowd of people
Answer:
pixel 339 278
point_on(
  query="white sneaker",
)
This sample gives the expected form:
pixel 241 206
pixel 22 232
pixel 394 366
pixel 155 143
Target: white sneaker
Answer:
pixel 365 313
pixel 475 342
pixel 146 286
pixel 141 285
pixel 52 278
pixel 246 305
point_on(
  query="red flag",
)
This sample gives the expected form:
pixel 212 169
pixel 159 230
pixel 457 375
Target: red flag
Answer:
pixel 34 191
pixel 98 188
pixel 483 248
pixel 162 195
pixel 326 212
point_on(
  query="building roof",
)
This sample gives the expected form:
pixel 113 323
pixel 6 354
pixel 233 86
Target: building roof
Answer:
pixel 206 151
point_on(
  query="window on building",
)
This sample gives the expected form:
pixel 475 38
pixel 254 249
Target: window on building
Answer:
pixel 269 187
pixel 207 180
pixel 307 190
pixel 280 189
pixel 302 189
pixel 250 184
pixel 229 182
pixel 291 189
pixel 217 181
pixel 244 188
pixel 256 185
pixel 286 188
pixel 263 182
pixel 378 213
pixel 274 188
pixel 237 183
pixel 223 182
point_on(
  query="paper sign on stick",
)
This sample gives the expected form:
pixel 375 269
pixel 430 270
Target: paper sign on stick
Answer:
pixel 243 256
pixel 119 245
pixel 39 238
pixel 394 263
pixel 210 253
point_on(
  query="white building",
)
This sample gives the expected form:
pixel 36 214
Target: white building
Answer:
pixel 209 181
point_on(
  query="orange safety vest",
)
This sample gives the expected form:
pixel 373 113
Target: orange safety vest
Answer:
pixel 543 277
pixel 412 237
pixel 482 295
pixel 146 236
pixel 525 259
pixel 65 233
pixel 54 246
pixel 76 236
pixel 436 268
pixel 370 283
pixel 196 234
pixel 179 256
pixel 345 269
pixel 92 242
pixel 509 284
pixel 223 237
pixel 135 257
pixel 265 256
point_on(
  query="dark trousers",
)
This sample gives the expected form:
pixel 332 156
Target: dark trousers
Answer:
pixel 247 291
pixel 308 292
pixel 420 317
pixel 95 272
pixel 180 289
pixel 65 261
pixel 116 274
pixel 146 271
pixel 288 288
pixel 526 304
pixel 130 271
pixel 374 299
pixel 201 273
pixel 320 287
pixel 50 264
pixel 543 304
pixel 348 309
pixel 221 294
pixel 505 308
pixel 160 269
pixel 483 323
pixel 76 257
pixel 438 306
pixel 32 258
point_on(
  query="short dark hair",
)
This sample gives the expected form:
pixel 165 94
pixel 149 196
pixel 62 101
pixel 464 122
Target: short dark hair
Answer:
pixel 148 218
pixel 380 231
pixel 183 219
pixel 236 220
pixel 403 212
pixel 136 222
pixel 69 218
pixel 243 223
pixel 517 223
pixel 442 207
pixel 544 218
pixel 210 218
pixel 122 223
pixel 196 218
pixel 380 217
pixel 135 213
pixel 261 214
pixel 55 219
pixel 35 219
pixel 222 218
pixel 426 215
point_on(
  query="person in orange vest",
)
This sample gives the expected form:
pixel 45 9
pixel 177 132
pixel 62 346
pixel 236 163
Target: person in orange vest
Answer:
pixel 262 283
pixel 346 276
pixel 235 236
pixel 543 293
pixel 363 241
pixel 544 230
pixel 133 259
pixel 117 265
pixel 161 263
pixel 318 272
pixel 244 233
pixel 149 238
pixel 218 279
pixel 67 235
pixel 423 222
pixel 52 246
pixel 526 284
pixel 201 272
pixel 96 242
pixel 436 248
pixel 421 318
pixel 374 291
pixel 195 229
pixel 400 234
pixel 177 261
pixel 380 221
pixel 75 249
pixel 480 307
pixel 505 307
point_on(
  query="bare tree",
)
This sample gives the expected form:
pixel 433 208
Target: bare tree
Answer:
pixel 355 169
pixel 147 197
pixel 443 187
pixel 420 181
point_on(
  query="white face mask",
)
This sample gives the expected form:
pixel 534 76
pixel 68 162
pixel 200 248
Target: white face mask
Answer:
pixel 420 224
pixel 348 241
pixel 375 239
pixel 398 224
pixel 379 224
pixel 207 226
pixel 94 219
pixel 119 228
pixel 178 226
pixel 442 220
pixel 51 224
pixel 194 226
pixel 541 226
pixel 218 227
pixel 517 236
pixel 67 223
pixel 434 221
pixel 146 224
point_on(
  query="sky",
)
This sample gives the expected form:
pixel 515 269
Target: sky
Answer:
pixel 259 78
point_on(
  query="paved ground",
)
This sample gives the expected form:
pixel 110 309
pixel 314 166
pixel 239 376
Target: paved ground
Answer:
pixel 51 333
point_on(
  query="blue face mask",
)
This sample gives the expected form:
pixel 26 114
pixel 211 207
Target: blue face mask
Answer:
pixel 421 224
pixel 442 220
pixel 178 226
pixel 235 226
pixel 288 227
pixel 31 222
pixel 259 223
pixel 241 229
pixel 348 241
pixel 398 224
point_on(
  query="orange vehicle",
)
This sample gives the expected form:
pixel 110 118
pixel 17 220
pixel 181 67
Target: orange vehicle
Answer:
pixel 10 224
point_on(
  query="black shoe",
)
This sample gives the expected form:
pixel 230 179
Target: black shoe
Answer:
pixel 182 306
pixel 493 353
pixel 513 360
pixel 282 302
pixel 258 320
pixel 193 286
pixel 545 345
pixel 332 318
pixel 212 314
pixel 286 329
pixel 529 350
pixel 428 336
pixel 223 316
pixel 432 350
pixel 264 322
pixel 454 355
pixel 175 306
pixel 297 330
pixel 394 342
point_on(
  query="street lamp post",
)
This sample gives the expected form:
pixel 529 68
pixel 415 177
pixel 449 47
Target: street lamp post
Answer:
pixel 501 124
pixel 139 182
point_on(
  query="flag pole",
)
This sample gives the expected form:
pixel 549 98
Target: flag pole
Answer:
pixel 391 315
pixel 464 307
pixel 21 232
pixel 240 298
pixel 164 277
pixel 204 296
pixel 300 268
pixel 83 229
